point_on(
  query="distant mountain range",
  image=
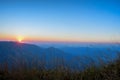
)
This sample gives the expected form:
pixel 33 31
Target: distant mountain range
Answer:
pixel 10 51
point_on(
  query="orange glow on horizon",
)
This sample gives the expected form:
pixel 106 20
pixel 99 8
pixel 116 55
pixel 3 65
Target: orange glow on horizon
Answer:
pixel 20 38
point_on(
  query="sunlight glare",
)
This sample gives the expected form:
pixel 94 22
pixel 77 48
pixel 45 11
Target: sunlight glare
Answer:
pixel 20 38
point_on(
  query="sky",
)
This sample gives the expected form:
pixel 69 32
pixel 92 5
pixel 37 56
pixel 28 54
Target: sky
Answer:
pixel 60 20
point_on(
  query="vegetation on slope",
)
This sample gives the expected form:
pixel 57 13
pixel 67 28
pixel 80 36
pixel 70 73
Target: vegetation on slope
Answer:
pixel 23 71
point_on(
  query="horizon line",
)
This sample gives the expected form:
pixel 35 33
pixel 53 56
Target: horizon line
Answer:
pixel 68 42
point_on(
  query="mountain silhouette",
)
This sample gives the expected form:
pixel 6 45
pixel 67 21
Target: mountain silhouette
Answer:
pixel 10 50
pixel 14 52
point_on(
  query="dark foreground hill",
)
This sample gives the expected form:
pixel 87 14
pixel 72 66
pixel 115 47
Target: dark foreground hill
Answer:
pixel 109 71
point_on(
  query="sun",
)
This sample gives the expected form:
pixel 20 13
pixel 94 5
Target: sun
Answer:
pixel 20 38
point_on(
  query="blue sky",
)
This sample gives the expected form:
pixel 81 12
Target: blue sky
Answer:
pixel 61 20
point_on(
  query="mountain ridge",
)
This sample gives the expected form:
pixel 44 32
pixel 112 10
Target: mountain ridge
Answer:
pixel 10 48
